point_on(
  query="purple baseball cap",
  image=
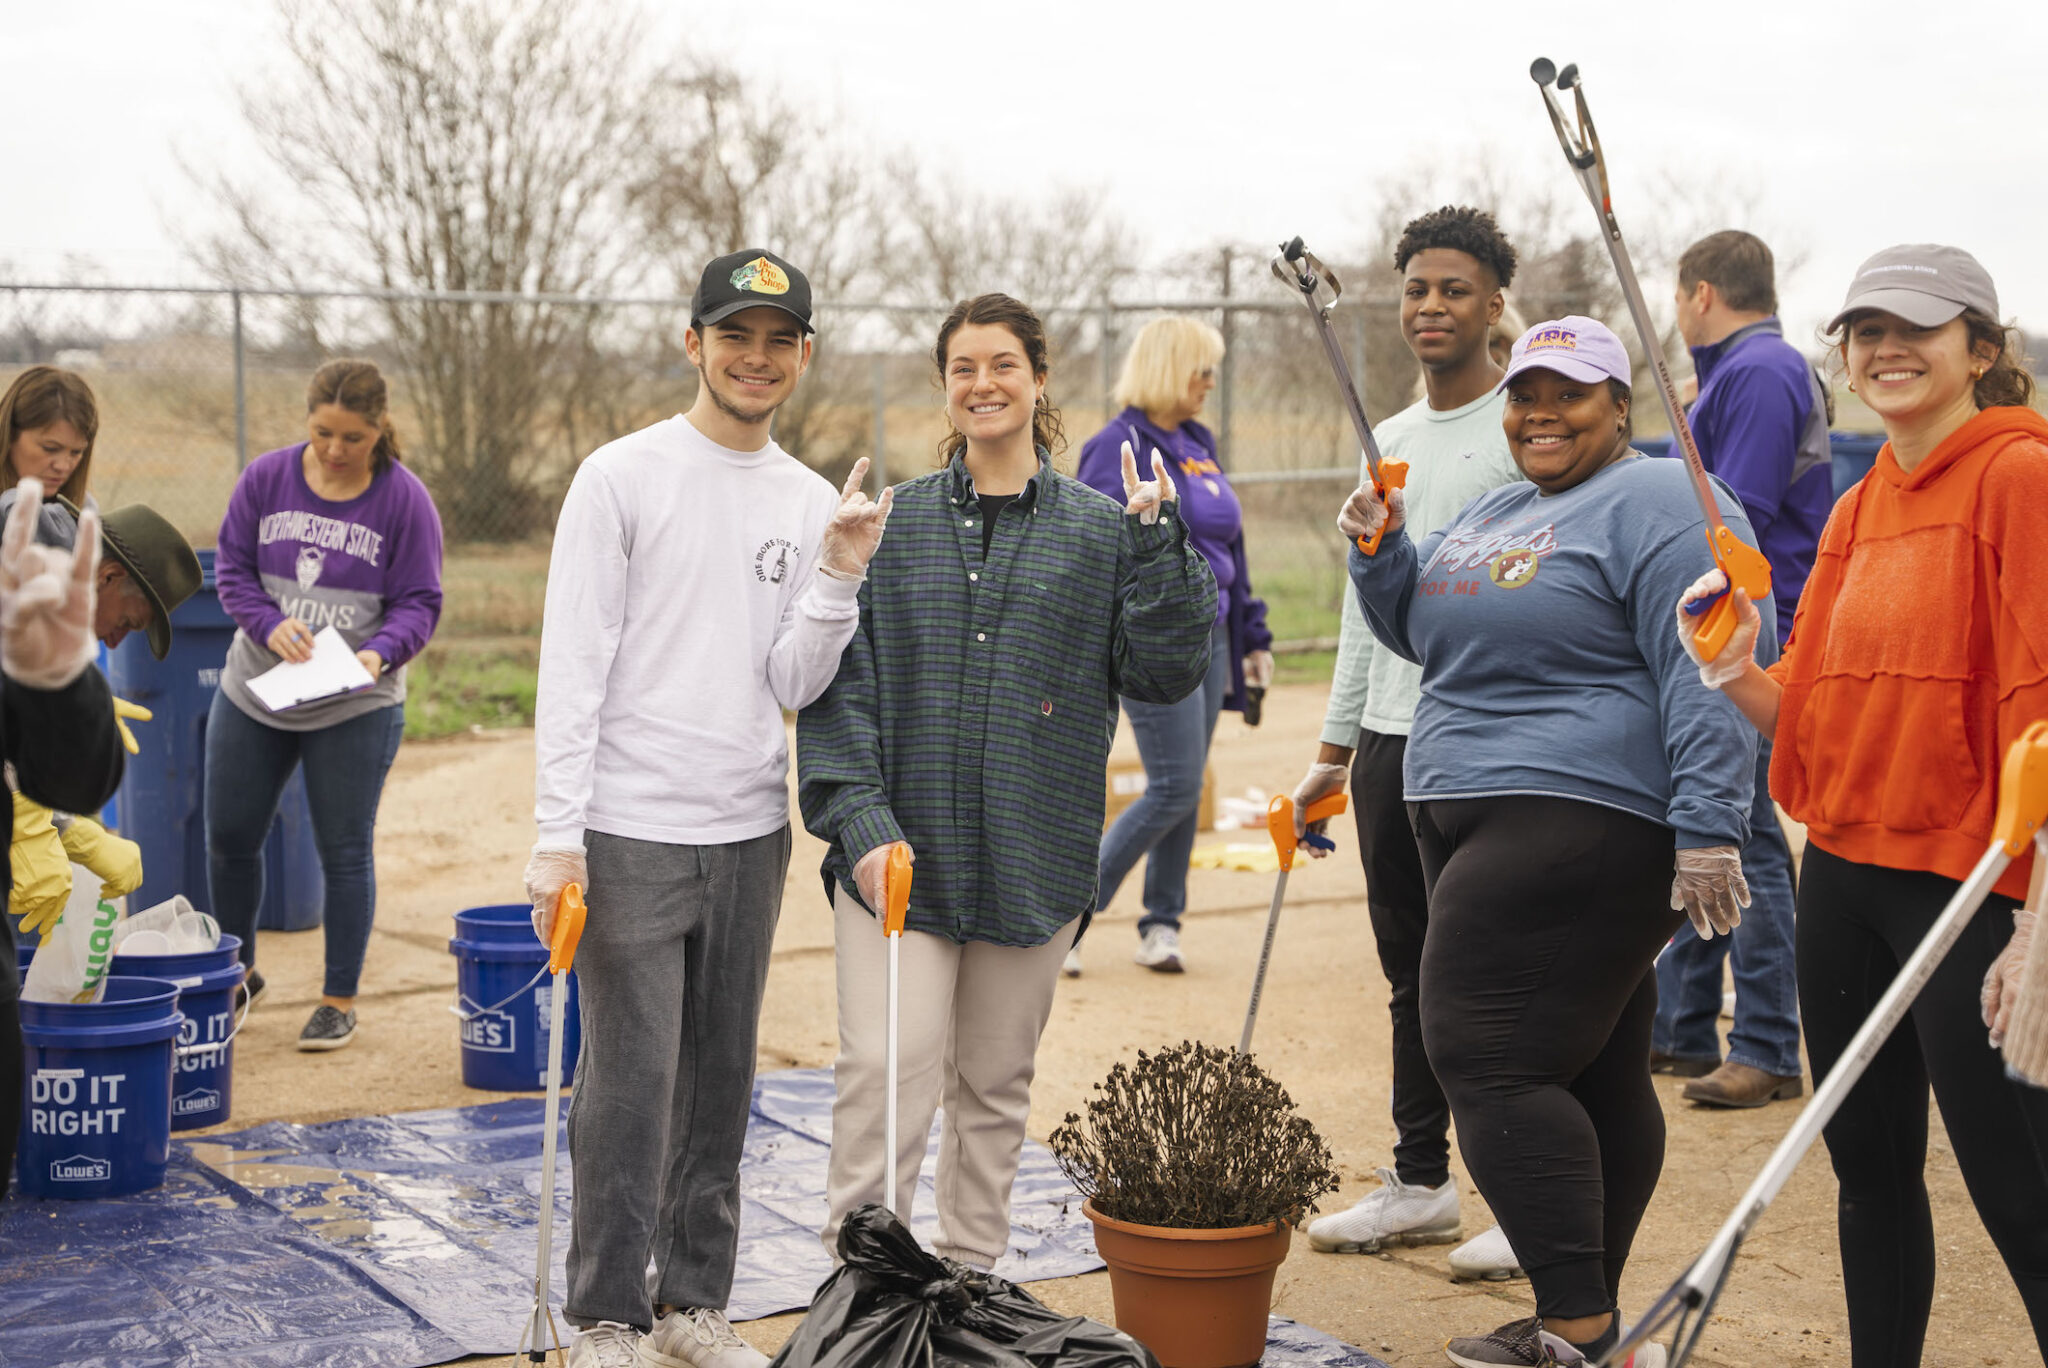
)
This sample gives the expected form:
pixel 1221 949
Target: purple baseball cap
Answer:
pixel 1584 349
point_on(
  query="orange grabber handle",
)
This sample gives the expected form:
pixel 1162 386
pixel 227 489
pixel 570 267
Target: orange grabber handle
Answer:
pixel 896 890
pixel 1392 475
pixel 1746 570
pixel 569 914
pixel 1280 821
pixel 2023 791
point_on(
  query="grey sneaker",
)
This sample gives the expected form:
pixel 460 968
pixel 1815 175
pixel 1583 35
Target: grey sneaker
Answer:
pixel 1394 1213
pixel 699 1337
pixel 329 1028
pixel 1160 950
pixel 1526 1344
pixel 606 1344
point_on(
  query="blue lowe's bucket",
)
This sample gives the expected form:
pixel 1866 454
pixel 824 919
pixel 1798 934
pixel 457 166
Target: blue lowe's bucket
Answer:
pixel 202 1081
pixel 504 1015
pixel 96 1103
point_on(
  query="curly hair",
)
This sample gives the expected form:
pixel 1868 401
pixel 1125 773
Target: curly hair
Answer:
pixel 1471 231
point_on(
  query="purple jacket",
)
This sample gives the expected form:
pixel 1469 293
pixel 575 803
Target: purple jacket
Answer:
pixel 1208 506
pixel 370 568
pixel 1762 427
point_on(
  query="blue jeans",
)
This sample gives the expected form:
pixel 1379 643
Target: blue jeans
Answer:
pixel 247 766
pixel 1766 1034
pixel 1173 741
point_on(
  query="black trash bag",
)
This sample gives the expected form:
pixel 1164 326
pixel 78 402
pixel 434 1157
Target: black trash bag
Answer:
pixel 893 1305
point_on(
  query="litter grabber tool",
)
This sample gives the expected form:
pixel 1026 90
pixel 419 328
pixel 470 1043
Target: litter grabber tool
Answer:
pixel 895 909
pixel 1280 825
pixel 2022 809
pixel 1298 267
pixel 568 929
pixel 1742 563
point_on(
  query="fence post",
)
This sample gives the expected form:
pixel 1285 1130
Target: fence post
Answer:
pixel 1226 453
pixel 241 393
pixel 878 465
pixel 1108 366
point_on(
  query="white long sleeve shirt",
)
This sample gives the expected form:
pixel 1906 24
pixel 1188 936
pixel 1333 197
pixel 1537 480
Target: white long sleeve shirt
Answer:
pixel 685 611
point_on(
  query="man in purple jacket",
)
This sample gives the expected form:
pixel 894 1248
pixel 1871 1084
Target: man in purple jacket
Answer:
pixel 1762 424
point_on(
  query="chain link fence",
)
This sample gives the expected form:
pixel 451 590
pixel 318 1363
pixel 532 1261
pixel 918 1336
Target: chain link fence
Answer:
pixel 497 397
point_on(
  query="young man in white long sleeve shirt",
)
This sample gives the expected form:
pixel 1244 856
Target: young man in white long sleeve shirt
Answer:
pixel 702 582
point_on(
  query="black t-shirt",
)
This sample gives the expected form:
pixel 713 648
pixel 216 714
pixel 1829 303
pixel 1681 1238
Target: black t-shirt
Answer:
pixel 992 506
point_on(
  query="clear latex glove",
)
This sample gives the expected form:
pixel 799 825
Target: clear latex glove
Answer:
pixel 1258 669
pixel 1322 780
pixel 1364 511
pixel 1733 662
pixel 126 712
pixel 116 859
pixel 1710 887
pixel 871 876
pixel 46 597
pixel 856 527
pixel 42 871
pixel 549 870
pixel 2002 983
pixel 1146 497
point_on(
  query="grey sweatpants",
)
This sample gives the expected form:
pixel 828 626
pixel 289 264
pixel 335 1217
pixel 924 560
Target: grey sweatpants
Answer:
pixel 670 970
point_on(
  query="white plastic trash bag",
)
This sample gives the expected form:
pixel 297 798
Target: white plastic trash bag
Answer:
pixel 71 963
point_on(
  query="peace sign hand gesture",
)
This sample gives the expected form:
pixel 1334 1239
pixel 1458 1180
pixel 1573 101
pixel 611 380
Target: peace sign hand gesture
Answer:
pixel 1145 498
pixel 46 597
pixel 856 527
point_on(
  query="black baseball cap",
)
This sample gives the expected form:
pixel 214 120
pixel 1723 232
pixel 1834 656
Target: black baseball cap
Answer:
pixel 749 279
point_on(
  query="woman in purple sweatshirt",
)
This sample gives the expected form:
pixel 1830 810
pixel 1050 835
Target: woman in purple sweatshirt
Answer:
pixel 1166 379
pixel 330 532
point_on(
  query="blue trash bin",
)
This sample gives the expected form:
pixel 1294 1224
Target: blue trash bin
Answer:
pixel 162 794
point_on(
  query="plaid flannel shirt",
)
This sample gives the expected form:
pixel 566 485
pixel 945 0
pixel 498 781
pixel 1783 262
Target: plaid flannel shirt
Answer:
pixel 974 708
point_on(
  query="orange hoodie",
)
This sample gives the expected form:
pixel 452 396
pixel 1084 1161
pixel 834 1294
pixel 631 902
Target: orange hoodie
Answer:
pixel 1920 652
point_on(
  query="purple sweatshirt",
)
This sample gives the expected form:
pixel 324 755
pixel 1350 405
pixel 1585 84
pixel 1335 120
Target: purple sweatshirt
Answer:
pixel 370 568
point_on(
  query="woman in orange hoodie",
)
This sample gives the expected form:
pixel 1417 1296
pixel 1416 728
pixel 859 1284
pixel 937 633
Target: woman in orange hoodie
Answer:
pixel 1919 654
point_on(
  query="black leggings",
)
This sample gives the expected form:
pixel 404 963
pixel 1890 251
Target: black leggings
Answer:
pixel 1545 917
pixel 1397 898
pixel 1857 925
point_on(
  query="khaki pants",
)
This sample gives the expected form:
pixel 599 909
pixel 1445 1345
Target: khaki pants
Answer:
pixel 970 1018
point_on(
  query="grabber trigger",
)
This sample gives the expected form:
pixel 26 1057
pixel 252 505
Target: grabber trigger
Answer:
pixel 569 914
pixel 1390 476
pixel 896 890
pixel 1747 570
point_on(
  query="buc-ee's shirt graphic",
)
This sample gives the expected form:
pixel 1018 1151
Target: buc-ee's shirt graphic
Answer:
pixel 1469 559
pixel 330 552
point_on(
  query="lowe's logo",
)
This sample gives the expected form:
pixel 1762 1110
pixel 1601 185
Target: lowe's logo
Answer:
pixel 80 1168
pixel 194 1102
pixel 489 1032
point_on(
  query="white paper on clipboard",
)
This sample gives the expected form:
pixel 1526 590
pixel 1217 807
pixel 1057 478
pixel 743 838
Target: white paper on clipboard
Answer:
pixel 333 670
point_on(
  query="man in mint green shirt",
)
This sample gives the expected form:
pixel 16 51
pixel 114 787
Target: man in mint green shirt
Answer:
pixel 1455 265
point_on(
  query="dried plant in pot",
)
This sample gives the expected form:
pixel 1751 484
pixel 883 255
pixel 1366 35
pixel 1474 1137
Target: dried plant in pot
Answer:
pixel 1196 1167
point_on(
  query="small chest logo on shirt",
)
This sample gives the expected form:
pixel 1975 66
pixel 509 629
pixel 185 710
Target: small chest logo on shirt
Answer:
pixel 311 558
pixel 772 561
pixel 1515 567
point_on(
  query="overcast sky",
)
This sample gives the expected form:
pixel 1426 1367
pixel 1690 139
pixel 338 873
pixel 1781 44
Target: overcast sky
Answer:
pixel 1845 128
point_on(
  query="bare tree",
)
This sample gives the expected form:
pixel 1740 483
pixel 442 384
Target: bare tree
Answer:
pixel 456 145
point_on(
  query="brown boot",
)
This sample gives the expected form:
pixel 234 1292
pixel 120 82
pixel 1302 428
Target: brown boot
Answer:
pixel 1682 1066
pixel 1739 1085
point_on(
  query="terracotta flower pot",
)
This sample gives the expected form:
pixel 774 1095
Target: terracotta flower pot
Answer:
pixel 1195 1298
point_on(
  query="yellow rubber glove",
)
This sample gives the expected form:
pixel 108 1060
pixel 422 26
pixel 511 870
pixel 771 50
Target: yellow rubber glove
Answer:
pixel 116 859
pixel 123 711
pixel 42 871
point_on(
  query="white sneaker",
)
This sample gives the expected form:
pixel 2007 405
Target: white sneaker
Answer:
pixel 1395 1214
pixel 1070 967
pixel 700 1338
pixel 606 1344
pixel 1487 1257
pixel 1160 950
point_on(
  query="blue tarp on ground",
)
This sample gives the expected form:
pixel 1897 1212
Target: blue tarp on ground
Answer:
pixel 399 1241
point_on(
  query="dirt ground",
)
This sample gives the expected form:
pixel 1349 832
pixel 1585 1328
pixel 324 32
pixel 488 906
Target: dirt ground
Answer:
pixel 456 823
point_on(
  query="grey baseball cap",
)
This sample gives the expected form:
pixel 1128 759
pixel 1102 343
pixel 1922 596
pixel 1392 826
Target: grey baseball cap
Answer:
pixel 1923 283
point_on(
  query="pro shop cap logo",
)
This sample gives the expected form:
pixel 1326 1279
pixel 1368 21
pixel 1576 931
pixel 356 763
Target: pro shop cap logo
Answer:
pixel 1553 337
pixel 750 279
pixel 762 276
